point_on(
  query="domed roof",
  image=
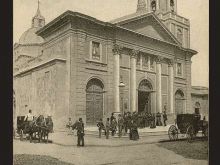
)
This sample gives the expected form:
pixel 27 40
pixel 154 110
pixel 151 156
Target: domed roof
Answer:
pixel 30 37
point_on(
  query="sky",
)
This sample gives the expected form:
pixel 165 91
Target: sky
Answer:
pixel 197 11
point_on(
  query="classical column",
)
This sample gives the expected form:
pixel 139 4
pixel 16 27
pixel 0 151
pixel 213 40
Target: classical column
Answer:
pixel 168 5
pixel 171 84
pixel 134 54
pixel 116 51
pixel 159 92
pixel 158 5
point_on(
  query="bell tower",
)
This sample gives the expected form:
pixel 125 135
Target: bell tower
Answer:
pixel 162 6
pixel 38 20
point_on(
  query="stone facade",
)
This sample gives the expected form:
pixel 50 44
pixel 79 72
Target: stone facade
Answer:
pixel 200 100
pixel 83 62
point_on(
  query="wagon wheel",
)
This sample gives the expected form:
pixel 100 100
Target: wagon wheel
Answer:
pixel 21 134
pixel 205 132
pixel 173 132
pixel 190 133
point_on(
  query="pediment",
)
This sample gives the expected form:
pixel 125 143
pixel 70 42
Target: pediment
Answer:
pixel 150 26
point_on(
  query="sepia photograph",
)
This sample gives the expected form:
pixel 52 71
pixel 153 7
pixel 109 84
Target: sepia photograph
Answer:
pixel 110 82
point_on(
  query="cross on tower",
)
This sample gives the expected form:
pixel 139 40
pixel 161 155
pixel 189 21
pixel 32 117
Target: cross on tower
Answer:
pixel 38 3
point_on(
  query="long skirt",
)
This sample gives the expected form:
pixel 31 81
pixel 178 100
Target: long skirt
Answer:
pixel 134 135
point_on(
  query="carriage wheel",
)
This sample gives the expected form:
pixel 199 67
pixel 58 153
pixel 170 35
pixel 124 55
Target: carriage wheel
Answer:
pixel 205 132
pixel 190 133
pixel 21 135
pixel 173 132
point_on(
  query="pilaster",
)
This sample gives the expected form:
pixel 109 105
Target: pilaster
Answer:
pixel 158 82
pixel 133 98
pixel 116 52
pixel 171 85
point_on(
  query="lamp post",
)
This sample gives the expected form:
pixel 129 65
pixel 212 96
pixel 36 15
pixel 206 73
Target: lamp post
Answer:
pixel 121 86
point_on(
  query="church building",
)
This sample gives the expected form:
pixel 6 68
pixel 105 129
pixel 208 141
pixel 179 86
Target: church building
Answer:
pixel 78 66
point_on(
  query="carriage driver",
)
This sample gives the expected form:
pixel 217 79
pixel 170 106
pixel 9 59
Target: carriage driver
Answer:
pixel 29 117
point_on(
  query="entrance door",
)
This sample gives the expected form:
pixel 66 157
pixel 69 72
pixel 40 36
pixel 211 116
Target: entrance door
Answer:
pixel 144 102
pixel 94 101
pixel 179 102
pixel 144 96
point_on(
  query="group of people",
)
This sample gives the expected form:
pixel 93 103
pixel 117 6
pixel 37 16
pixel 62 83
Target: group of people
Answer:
pixel 124 123
pixel 130 121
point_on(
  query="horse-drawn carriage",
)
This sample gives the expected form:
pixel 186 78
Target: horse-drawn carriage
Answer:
pixel 188 124
pixel 39 128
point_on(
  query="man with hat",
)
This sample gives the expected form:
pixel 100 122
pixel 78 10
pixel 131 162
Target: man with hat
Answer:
pixel 79 126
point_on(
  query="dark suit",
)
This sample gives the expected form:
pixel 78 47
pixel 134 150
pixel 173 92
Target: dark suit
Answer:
pixel 79 126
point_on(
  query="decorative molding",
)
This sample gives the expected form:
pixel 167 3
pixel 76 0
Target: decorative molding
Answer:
pixel 117 49
pixel 171 62
pixel 134 53
pixel 159 59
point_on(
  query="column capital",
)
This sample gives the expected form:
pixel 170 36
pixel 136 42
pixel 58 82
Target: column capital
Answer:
pixel 171 62
pixel 134 53
pixel 159 59
pixel 117 49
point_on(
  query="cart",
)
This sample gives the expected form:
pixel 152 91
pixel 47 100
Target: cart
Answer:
pixel 189 125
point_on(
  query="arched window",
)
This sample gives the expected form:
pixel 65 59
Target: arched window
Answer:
pixel 180 35
pixel 172 5
pixel 197 108
pixel 179 102
pixel 153 5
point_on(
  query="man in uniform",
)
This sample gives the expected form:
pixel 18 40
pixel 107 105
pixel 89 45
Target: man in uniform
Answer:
pixel 79 126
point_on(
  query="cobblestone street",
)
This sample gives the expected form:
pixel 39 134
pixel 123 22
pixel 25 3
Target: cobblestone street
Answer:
pixel 102 151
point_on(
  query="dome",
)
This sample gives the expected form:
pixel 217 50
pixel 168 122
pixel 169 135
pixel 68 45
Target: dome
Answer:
pixel 30 37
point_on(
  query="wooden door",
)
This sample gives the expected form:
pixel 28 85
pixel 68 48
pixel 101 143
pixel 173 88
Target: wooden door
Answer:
pixel 179 106
pixel 94 103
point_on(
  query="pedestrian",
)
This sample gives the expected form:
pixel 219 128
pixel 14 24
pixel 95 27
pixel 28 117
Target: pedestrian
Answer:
pixel 112 118
pixel 101 127
pixel 120 125
pixel 69 126
pixel 158 117
pixel 126 123
pixel 79 126
pixel 107 128
pixel 114 126
pixel 134 131
pixel 164 118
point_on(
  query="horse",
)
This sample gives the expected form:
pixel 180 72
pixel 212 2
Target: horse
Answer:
pixel 46 128
pixel 36 127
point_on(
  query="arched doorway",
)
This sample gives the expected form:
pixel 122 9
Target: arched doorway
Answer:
pixel 94 101
pixel 144 96
pixel 197 108
pixel 179 102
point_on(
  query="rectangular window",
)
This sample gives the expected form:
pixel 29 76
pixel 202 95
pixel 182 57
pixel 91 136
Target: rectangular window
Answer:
pixel 179 69
pixel 151 63
pixel 96 49
pixel 138 59
pixel 145 61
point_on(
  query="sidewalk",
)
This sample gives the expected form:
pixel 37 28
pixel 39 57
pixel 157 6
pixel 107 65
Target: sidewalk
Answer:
pixel 147 135
pixel 63 139
pixel 159 130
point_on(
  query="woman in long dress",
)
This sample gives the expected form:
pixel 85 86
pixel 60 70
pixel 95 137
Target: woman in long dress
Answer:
pixel 134 131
